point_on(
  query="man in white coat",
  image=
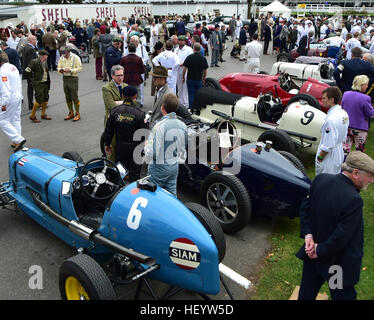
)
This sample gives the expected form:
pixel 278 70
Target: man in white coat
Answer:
pixel 253 51
pixel 170 61
pixel 239 25
pixel 10 102
pixel 182 52
pixel 153 35
pixel 330 154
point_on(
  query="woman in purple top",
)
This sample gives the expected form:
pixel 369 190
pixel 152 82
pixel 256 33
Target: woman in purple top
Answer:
pixel 358 106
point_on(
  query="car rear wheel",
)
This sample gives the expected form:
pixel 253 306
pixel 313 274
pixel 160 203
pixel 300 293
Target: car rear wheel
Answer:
pixel 227 198
pixel 212 225
pixel 280 139
pixel 212 83
pixel 82 278
pixel 284 57
pixel 73 155
pixel 294 160
pixel 304 98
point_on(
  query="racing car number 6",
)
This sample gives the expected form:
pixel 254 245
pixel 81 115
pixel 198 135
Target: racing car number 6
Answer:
pixel 135 215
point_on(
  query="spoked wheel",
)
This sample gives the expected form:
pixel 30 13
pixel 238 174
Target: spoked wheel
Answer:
pixel 82 278
pixel 227 198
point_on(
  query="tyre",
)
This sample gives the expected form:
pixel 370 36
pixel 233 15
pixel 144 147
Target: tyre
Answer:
pixel 305 98
pixel 294 160
pixel 183 112
pixel 72 155
pixel 280 139
pixel 212 225
pixel 284 57
pixel 227 198
pixel 82 278
pixel 212 83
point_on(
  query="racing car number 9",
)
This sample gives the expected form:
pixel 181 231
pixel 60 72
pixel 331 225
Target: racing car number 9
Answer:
pixel 135 215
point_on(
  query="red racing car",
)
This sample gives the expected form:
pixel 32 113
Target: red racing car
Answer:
pixel 281 85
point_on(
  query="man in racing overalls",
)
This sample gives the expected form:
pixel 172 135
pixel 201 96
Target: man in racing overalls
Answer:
pixel 183 52
pixel 253 52
pixel 330 153
pixel 10 102
pixel 170 61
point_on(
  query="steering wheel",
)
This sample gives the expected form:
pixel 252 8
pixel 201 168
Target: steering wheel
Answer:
pixel 228 128
pixel 285 81
pixel 100 178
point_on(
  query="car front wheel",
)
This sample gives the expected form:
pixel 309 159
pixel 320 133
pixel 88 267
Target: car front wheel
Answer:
pixel 82 278
pixel 227 198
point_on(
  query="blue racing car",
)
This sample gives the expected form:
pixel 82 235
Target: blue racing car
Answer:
pixel 142 230
pixel 238 180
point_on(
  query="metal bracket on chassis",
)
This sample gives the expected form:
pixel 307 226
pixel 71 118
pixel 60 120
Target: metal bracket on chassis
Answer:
pixel 173 291
pixel 303 144
pixel 127 273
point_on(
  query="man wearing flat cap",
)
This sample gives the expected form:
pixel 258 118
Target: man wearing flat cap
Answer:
pixel 123 121
pixel 113 55
pixel 331 221
pixel 38 72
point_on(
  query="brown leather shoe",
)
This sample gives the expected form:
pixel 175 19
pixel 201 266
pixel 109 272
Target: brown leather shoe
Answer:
pixel 45 117
pixel 70 116
pixel 34 119
pixel 77 117
pixel 19 145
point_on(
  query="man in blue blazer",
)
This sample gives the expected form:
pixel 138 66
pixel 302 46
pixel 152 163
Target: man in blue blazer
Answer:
pixel 12 56
pixel 331 222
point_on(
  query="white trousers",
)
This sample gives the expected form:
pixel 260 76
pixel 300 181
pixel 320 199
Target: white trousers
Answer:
pixel 252 65
pixel 182 89
pixel 10 121
pixel 140 89
pixel 172 82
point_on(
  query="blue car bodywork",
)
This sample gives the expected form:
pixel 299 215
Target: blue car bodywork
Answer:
pixel 276 187
pixel 163 234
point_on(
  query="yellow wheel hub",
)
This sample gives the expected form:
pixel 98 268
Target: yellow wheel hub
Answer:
pixel 74 290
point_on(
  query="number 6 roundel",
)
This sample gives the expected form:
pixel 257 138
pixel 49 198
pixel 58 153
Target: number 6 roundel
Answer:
pixel 135 215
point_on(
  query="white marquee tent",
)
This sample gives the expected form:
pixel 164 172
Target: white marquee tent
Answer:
pixel 276 8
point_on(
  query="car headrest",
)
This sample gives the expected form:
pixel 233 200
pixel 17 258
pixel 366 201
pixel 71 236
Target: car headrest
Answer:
pixel 209 96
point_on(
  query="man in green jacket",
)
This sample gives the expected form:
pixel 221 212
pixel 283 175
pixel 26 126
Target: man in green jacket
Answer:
pixel 112 96
pixel 38 72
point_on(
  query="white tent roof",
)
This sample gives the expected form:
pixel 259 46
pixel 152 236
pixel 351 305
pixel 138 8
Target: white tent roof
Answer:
pixel 276 7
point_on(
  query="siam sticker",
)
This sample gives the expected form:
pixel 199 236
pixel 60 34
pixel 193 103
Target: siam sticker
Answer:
pixel 184 253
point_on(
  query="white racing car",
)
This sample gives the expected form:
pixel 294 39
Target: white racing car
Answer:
pixel 300 72
pixel 296 127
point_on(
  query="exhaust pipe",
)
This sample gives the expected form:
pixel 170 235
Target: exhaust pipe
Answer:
pixel 91 234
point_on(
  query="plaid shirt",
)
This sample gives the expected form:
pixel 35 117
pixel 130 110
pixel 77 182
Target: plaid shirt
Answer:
pixel 134 69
